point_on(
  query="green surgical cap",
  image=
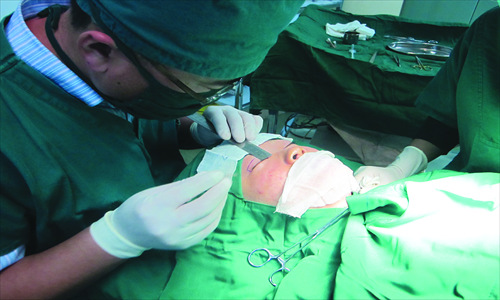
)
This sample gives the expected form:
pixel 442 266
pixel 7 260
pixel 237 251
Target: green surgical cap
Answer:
pixel 221 39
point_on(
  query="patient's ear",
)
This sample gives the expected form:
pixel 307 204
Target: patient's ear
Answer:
pixel 97 49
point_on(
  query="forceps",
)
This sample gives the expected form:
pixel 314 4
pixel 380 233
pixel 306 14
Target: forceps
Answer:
pixel 420 65
pixel 279 257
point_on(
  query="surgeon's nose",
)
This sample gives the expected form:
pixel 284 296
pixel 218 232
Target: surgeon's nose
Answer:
pixel 293 154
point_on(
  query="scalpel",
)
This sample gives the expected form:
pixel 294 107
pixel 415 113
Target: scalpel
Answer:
pixel 247 146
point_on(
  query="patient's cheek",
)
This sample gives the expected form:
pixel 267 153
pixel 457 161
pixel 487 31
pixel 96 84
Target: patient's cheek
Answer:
pixel 263 187
pixel 271 189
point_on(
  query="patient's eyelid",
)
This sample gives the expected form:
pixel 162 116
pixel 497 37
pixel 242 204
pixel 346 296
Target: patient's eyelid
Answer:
pixel 249 168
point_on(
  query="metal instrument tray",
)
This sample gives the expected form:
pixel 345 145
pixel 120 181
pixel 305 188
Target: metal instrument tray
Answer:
pixel 428 50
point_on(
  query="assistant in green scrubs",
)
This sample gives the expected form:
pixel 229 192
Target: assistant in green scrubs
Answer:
pixel 462 103
pixel 465 96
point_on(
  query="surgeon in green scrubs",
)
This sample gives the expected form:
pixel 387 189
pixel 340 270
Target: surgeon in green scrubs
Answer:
pixel 94 95
pixel 463 107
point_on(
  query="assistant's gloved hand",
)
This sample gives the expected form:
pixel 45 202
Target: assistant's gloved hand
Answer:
pixel 163 217
pixel 229 122
pixel 411 161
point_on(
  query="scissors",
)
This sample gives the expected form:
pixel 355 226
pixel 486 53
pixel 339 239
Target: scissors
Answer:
pixel 280 257
pixel 420 65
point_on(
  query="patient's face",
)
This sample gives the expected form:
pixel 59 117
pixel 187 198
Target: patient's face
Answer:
pixel 263 181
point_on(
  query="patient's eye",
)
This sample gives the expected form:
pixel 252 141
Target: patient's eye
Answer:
pixel 253 163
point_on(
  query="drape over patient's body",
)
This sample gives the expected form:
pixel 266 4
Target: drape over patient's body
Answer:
pixel 402 240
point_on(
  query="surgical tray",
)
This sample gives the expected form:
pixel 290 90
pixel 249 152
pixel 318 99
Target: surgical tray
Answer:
pixel 428 50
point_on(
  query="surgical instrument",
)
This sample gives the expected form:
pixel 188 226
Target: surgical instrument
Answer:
pixel 420 65
pixel 409 39
pixel 396 59
pixel 279 257
pixel 247 146
pixel 352 51
pixel 331 43
pixel 351 37
pixel 374 55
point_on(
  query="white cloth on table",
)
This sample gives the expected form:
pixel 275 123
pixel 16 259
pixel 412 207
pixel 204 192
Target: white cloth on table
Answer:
pixel 338 30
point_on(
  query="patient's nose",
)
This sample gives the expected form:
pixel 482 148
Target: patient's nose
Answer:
pixel 294 153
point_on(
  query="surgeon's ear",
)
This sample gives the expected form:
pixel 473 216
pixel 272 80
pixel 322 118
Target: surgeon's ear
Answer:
pixel 97 49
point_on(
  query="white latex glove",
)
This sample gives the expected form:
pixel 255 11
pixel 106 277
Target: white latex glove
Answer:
pixel 411 161
pixel 229 122
pixel 164 217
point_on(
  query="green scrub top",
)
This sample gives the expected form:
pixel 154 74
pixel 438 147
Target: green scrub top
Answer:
pixel 465 94
pixel 63 164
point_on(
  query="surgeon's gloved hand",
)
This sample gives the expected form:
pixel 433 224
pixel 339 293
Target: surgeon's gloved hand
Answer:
pixel 411 161
pixel 164 217
pixel 229 122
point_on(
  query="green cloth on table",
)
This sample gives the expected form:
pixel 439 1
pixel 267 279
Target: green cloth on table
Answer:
pixel 310 30
pixel 302 73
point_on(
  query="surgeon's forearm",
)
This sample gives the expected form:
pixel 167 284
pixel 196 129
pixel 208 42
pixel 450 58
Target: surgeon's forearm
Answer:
pixel 430 150
pixel 57 272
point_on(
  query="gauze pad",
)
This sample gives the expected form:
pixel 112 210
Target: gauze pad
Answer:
pixel 225 157
pixel 316 179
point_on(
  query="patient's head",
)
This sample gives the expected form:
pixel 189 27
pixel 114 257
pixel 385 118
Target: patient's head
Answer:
pixel 296 178
pixel 263 181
